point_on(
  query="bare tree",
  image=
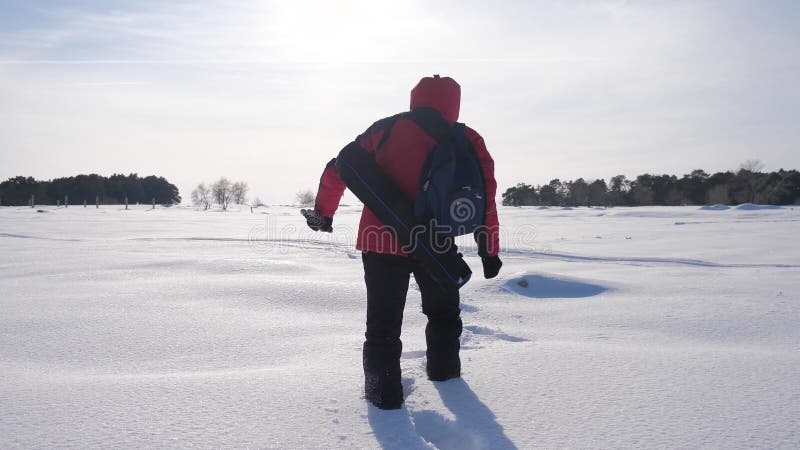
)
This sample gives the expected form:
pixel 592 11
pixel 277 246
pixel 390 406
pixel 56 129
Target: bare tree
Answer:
pixel 751 165
pixel 305 197
pixel 201 196
pixel 239 190
pixel 750 172
pixel 222 190
pixel 257 202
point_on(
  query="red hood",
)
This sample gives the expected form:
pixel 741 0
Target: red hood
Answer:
pixel 442 94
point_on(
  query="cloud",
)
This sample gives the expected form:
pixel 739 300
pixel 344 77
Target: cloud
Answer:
pixel 269 91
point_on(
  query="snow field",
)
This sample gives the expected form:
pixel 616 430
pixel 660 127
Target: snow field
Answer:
pixel 620 327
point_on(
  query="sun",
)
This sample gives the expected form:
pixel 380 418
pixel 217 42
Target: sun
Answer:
pixel 337 31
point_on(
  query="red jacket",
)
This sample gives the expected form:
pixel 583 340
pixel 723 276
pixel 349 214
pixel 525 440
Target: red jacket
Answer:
pixel 401 156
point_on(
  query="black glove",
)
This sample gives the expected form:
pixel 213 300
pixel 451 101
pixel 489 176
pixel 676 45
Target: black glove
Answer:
pixel 491 266
pixel 317 222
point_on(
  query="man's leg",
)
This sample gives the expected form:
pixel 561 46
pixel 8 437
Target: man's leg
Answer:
pixel 443 332
pixel 387 278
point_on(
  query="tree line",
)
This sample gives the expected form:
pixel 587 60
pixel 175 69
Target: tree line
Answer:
pixel 747 185
pixel 115 189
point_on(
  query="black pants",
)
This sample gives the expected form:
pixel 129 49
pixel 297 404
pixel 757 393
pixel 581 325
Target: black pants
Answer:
pixel 387 278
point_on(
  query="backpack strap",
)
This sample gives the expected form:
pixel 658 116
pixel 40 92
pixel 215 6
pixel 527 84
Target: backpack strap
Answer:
pixel 384 124
pixel 432 122
pixel 429 119
pixel 390 121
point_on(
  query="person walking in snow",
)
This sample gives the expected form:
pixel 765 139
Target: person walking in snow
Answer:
pixel 400 147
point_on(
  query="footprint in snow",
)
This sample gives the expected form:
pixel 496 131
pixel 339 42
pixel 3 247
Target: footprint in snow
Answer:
pixel 332 409
pixel 485 331
pixel 465 308
pixel 414 354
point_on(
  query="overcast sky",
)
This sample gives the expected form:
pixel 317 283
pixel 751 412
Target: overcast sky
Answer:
pixel 268 92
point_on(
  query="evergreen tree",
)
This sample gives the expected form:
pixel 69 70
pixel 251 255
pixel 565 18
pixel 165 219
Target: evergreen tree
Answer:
pixel 80 188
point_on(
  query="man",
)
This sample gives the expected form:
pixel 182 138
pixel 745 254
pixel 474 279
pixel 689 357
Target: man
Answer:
pixel 400 147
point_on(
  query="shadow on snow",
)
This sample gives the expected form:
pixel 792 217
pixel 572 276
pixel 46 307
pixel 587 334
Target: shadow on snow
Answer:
pixel 474 426
pixel 540 286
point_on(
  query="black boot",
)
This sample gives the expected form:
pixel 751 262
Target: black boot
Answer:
pixel 382 384
pixel 442 335
pixel 443 362
pixel 443 370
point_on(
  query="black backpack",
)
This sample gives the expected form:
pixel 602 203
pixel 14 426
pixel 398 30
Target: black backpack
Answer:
pixel 451 192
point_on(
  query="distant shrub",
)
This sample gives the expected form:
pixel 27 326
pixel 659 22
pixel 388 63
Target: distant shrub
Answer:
pixel 305 197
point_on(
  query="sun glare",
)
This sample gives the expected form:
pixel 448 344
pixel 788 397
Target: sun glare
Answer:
pixel 337 31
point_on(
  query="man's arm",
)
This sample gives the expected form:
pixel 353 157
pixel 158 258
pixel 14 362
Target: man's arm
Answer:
pixel 491 235
pixel 331 187
pixel 330 191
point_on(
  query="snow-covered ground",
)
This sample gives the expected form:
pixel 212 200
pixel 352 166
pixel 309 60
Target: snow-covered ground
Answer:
pixel 624 327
